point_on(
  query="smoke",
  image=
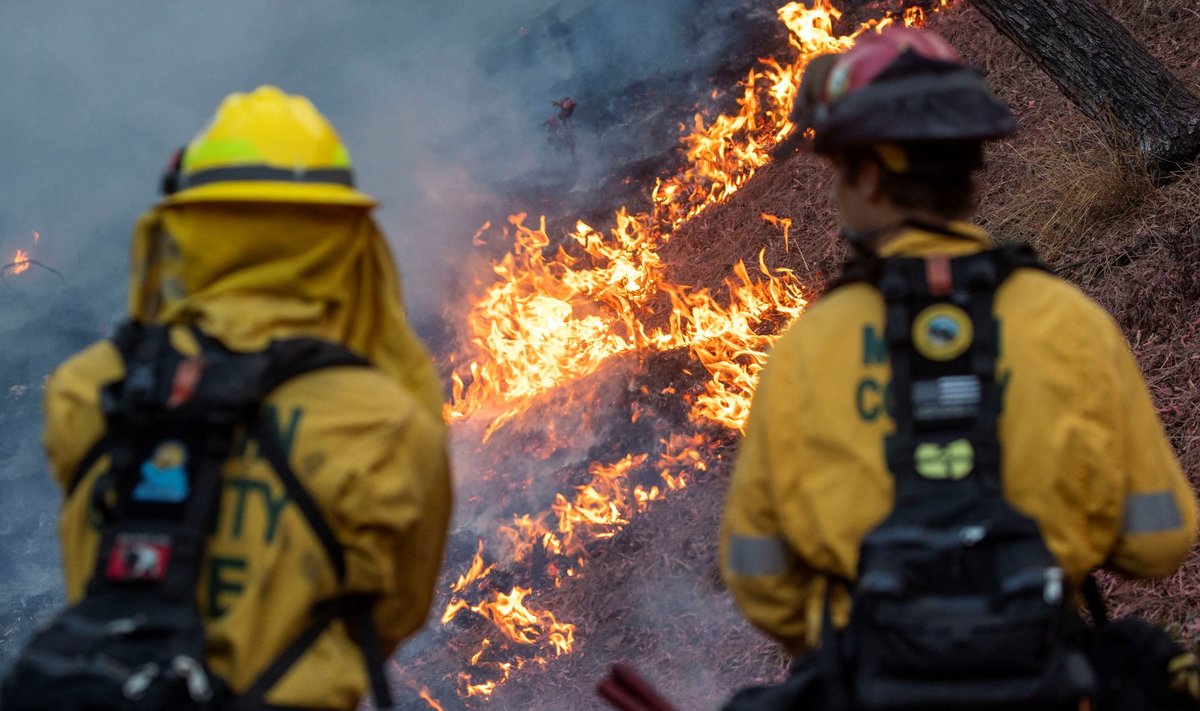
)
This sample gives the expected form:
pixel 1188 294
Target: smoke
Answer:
pixel 689 594
pixel 441 104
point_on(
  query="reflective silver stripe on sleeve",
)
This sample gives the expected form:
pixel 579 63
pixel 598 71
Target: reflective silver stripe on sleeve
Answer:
pixel 757 555
pixel 1152 513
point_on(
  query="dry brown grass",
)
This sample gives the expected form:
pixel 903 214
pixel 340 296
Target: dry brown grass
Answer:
pixel 1059 193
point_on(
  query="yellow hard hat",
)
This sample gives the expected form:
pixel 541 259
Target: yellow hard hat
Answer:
pixel 265 146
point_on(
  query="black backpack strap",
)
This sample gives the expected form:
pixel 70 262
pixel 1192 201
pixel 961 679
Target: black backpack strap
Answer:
pixel 359 615
pixel 355 611
pixel 124 339
pixel 1011 257
pixel 99 449
pixel 290 359
pixel 1095 600
pixel 894 286
pixel 981 275
pixel 253 698
pixel 860 266
pixel 272 449
pixel 834 655
pixel 293 357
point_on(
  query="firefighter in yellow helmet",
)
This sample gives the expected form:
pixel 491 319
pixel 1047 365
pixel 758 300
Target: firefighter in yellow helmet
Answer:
pixel 1081 450
pixel 262 236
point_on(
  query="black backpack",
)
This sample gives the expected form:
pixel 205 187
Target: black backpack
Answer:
pixel 958 603
pixel 136 639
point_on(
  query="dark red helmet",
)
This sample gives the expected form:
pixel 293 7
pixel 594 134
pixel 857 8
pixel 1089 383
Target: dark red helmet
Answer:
pixel 898 86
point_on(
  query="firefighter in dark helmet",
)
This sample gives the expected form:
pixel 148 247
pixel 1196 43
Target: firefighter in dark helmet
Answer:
pixel 262 236
pixel 902 121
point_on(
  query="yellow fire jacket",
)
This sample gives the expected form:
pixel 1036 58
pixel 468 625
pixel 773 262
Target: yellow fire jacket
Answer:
pixel 1084 453
pixel 368 445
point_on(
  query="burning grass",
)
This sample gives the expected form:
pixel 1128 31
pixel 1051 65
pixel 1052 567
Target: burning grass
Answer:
pixel 639 581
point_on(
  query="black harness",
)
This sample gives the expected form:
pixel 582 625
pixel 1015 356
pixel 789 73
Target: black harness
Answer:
pixel 958 605
pixel 943 342
pixel 136 639
pixel 958 602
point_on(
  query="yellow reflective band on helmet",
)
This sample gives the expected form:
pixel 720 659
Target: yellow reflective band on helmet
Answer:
pixel 267 146
pixel 223 152
pixel 219 152
pixel 341 157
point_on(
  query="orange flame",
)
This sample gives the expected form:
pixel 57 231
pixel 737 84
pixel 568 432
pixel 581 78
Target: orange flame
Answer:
pixel 20 262
pixel 784 222
pixel 427 697
pixel 559 310
pixel 726 342
pixel 473 573
pixel 518 622
pixel 482 648
pixel 598 511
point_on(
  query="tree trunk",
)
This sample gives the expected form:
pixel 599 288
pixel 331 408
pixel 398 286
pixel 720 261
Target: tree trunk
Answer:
pixel 1107 73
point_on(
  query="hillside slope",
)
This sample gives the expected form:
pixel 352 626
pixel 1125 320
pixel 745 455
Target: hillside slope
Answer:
pixel 1060 184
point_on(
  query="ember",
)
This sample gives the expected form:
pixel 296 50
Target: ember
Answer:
pixel 20 262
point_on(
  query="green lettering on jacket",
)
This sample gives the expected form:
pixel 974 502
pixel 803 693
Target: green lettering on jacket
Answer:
pixel 242 488
pixel 868 398
pixel 225 577
pixel 874 347
pixel 873 398
pixel 286 436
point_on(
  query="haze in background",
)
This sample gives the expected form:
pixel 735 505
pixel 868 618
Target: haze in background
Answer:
pixel 441 104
